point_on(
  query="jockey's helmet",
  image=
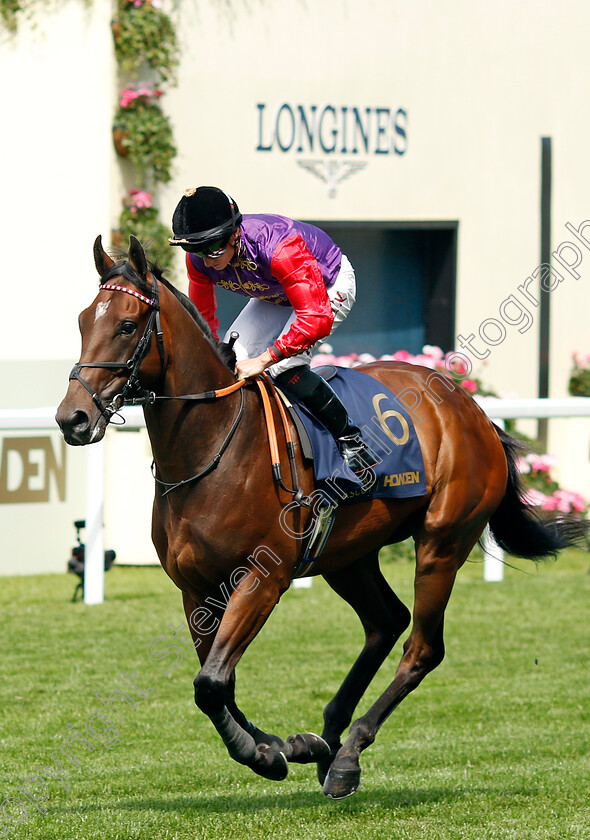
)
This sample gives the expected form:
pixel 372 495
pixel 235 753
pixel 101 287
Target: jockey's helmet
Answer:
pixel 204 220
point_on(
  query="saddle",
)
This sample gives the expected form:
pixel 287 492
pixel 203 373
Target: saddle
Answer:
pixel 387 429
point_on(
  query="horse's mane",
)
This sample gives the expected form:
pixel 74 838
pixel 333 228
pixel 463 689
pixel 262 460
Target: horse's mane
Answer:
pixel 122 268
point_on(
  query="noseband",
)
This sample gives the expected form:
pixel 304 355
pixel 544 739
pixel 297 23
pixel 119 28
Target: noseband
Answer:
pixel 131 388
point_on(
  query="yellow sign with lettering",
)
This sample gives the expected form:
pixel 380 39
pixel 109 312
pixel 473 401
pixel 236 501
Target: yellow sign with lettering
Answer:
pixel 27 467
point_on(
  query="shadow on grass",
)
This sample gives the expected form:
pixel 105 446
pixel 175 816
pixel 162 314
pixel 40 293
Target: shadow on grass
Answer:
pixel 225 804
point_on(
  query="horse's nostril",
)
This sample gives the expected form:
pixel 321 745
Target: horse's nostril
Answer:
pixel 79 421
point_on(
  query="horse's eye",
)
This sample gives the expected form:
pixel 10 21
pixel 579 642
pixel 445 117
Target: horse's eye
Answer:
pixel 128 328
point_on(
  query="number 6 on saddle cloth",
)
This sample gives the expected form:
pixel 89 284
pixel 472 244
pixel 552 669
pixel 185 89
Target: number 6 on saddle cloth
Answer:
pixel 397 469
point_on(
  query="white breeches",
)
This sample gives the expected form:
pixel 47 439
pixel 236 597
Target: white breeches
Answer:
pixel 260 323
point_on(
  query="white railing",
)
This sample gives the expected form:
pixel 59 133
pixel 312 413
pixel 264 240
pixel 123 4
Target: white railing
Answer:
pixel 44 418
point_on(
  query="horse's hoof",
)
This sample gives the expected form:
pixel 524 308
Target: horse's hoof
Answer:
pixel 270 763
pixel 324 764
pixel 342 783
pixel 307 748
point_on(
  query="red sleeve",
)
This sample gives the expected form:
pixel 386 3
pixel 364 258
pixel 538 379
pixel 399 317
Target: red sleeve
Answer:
pixel 202 293
pixel 299 274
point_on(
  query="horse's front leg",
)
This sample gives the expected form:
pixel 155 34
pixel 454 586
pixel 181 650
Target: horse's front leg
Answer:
pixel 267 755
pixel 202 645
pixel 245 614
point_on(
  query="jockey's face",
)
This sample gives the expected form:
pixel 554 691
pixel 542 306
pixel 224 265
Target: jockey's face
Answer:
pixel 224 259
pixel 221 262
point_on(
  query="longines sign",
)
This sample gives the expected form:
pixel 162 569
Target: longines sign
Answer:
pixel 332 131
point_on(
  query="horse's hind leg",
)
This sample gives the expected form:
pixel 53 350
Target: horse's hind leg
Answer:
pixel 384 618
pixel 437 562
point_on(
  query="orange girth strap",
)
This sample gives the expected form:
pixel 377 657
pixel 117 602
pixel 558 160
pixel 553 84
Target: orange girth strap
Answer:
pixel 265 384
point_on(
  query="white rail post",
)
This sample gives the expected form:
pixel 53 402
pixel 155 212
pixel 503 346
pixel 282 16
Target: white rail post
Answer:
pixel 493 557
pixel 94 550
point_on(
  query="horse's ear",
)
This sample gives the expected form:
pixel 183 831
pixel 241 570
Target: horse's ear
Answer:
pixel 137 258
pixel 102 261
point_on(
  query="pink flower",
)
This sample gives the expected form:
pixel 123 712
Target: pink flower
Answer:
pixel 426 361
pixel 569 502
pixel 127 97
pixel 469 385
pixel 140 200
pixel 433 352
pixel 402 356
pixel 324 359
pixel 457 365
pixel 540 463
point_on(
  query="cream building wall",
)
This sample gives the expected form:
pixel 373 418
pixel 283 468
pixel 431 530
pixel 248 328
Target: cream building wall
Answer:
pixel 55 197
pixel 479 85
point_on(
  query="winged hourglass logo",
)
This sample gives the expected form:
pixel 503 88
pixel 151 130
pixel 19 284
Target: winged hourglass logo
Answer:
pixel 333 172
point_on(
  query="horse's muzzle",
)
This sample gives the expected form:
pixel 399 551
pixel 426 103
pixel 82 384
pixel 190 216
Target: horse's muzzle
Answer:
pixel 78 428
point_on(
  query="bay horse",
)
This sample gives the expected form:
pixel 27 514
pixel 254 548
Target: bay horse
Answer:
pixel 227 533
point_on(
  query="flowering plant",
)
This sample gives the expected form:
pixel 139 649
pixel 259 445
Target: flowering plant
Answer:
pixel 542 489
pixel 142 132
pixel 579 384
pixel 143 32
pixel 448 364
pixel 144 91
pixel 140 218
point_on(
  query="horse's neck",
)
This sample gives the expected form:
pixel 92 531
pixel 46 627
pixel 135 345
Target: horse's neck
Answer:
pixel 192 367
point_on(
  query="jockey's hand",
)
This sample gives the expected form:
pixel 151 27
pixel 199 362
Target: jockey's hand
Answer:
pixel 252 367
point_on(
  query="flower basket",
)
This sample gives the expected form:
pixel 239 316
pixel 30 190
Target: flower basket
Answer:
pixel 143 32
pixel 140 218
pixel 121 141
pixel 143 134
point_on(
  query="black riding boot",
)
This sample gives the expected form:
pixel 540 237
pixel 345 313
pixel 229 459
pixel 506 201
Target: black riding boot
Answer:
pixel 316 394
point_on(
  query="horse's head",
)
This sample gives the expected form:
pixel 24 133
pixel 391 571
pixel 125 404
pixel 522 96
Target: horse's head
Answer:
pixel 116 331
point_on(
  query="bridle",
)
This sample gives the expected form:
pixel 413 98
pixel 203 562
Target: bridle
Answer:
pixel 133 393
pixel 133 364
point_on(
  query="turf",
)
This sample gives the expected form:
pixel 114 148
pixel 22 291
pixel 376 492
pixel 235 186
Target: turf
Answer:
pixel 493 744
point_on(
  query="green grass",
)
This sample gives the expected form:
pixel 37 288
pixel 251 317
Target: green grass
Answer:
pixel 493 744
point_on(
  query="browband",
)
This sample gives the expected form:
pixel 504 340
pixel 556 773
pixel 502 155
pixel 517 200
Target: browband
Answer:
pixel 111 287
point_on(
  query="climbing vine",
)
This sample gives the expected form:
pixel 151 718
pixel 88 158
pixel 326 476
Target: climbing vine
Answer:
pixel 145 43
pixel 146 47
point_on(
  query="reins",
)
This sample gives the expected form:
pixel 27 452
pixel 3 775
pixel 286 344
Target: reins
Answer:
pixel 133 394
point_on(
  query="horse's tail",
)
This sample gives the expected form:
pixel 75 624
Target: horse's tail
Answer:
pixel 519 529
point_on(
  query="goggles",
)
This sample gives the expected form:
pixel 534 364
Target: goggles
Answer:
pixel 211 250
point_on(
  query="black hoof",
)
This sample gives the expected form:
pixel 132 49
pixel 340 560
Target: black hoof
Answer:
pixel 341 783
pixel 270 763
pixel 325 763
pixel 307 748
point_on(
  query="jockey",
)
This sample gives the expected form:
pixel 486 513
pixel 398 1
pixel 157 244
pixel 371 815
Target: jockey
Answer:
pixel 300 285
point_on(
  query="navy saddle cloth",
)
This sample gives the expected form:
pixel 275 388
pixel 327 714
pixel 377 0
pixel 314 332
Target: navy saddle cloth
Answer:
pixel 388 431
